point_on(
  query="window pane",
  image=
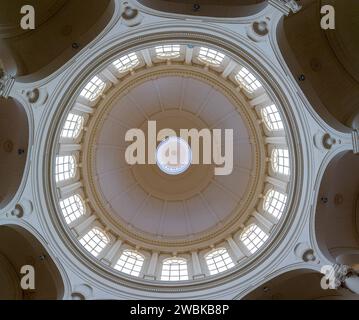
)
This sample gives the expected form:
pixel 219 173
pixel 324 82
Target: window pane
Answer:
pixel 126 62
pixel 130 262
pixel 280 161
pixel 219 261
pixel 210 56
pixel 168 51
pixel 65 168
pixel 94 241
pixel 72 208
pixel 247 80
pixel 274 203
pixel 93 89
pixel 72 126
pixel 272 118
pixel 174 269
pixel 253 238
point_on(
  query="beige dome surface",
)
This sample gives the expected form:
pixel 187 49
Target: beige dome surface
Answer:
pixel 144 199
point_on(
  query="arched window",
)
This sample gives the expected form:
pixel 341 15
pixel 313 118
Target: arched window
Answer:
pixel 219 261
pixel 126 62
pixel 73 126
pixel 72 208
pixel 65 168
pixel 93 89
pixel 280 161
pixel 174 269
pixel 168 51
pixel 94 241
pixel 247 80
pixel 253 238
pixel 272 118
pixel 130 262
pixel 274 203
pixel 210 56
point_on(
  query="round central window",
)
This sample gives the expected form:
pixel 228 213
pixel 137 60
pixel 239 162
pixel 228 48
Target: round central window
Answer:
pixel 174 156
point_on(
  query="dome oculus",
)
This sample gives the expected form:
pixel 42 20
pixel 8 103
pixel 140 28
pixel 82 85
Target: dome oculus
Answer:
pixel 173 156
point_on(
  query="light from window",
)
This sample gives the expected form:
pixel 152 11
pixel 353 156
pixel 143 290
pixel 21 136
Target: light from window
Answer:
pixel 73 126
pixel 280 161
pixel 94 241
pixel 272 118
pixel 174 269
pixel 247 80
pixel 168 51
pixel 93 89
pixel 274 203
pixel 72 208
pixel 253 238
pixel 219 261
pixel 210 56
pixel 130 262
pixel 65 168
pixel 126 62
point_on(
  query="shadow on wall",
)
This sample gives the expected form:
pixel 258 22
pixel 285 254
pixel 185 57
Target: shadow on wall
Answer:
pixel 337 213
pixel 328 59
pixel 18 248
pixel 208 8
pixel 296 285
pixel 62 29
pixel 14 139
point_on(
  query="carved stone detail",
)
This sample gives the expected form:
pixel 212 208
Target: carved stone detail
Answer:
pixel 6 83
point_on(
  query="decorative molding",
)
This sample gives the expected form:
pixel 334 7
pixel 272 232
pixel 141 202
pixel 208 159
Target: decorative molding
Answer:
pixel 355 138
pixel 6 83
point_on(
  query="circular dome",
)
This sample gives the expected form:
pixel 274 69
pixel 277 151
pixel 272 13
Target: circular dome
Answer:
pixel 173 156
pixel 181 160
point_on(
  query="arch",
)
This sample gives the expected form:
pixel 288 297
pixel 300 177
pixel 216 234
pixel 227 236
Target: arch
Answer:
pixel 336 219
pixel 14 140
pixel 25 249
pixel 209 8
pixel 63 18
pixel 300 284
pixel 325 58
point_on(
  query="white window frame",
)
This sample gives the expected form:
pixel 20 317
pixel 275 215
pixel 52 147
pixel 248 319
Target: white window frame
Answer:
pixel 72 208
pixel 168 51
pixel 211 56
pixel 72 126
pixel 253 237
pixel 174 269
pixel 130 262
pixel 65 168
pixel 281 161
pixel 94 241
pixel 218 260
pixel 275 203
pixel 272 118
pixel 247 80
pixel 127 62
pixel 93 89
